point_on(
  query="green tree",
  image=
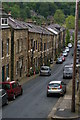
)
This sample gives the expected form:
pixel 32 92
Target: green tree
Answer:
pixel 59 17
pixel 73 38
pixel 44 9
pixel 70 22
pixel 67 37
pixel 15 11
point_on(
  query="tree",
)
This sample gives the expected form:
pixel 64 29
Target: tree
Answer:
pixel 15 11
pixel 59 17
pixel 70 22
pixel 44 9
pixel 73 38
pixel 67 37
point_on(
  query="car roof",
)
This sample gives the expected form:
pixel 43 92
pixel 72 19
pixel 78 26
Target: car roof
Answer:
pixel 45 66
pixel 8 82
pixel 55 82
pixel 70 65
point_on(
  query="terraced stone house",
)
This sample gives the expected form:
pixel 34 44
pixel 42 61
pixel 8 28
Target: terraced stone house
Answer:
pixel 5 46
pixel 27 46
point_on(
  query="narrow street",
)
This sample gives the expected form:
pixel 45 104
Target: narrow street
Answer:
pixel 34 103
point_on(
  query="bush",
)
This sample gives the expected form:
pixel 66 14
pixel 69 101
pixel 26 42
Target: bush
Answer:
pixel 37 70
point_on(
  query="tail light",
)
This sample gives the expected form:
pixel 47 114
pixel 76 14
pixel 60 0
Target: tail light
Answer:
pixel 48 87
pixel 60 86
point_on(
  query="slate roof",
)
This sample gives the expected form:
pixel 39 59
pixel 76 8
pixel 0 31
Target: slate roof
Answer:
pixel 55 28
pixel 16 24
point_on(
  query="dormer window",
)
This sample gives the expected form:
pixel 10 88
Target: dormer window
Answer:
pixel 4 21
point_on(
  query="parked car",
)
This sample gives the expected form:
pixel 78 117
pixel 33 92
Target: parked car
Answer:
pixel 77 60
pixel 63 58
pixel 3 97
pixel 45 70
pixel 12 88
pixel 77 53
pixel 56 87
pixel 78 47
pixel 65 54
pixel 68 71
pixel 67 49
pixel 69 45
pixel 59 60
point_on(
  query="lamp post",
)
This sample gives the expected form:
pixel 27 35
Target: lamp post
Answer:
pixel 74 60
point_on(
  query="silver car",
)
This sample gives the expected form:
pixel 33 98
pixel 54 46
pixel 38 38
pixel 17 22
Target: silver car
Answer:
pixel 45 70
pixel 56 87
pixel 68 71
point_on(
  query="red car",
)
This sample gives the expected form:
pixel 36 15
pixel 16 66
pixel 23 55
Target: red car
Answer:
pixel 63 58
pixel 13 89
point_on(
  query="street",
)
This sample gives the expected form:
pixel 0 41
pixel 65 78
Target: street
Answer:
pixel 34 103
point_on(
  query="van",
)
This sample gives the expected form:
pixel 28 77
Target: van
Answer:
pixel 67 71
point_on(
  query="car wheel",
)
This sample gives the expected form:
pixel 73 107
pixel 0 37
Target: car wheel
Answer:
pixel 7 102
pixel 14 97
pixel 48 95
pixel 65 90
pixel 21 91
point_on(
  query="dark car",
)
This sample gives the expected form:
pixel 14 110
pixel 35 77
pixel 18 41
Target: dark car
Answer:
pixel 59 60
pixel 56 87
pixel 3 97
pixel 12 88
pixel 45 70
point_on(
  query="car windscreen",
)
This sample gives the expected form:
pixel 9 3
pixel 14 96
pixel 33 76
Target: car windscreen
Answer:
pixel 54 85
pixel 6 86
pixel 44 68
pixel 68 69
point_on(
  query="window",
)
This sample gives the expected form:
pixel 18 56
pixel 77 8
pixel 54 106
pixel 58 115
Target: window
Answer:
pixel 36 44
pixel 2 48
pixel 7 46
pixel 4 21
pixel 6 86
pixel 7 70
pixel 14 85
pixel 3 73
pixel 20 45
pixel 44 46
pixel 17 66
pixel 17 46
pixel 38 47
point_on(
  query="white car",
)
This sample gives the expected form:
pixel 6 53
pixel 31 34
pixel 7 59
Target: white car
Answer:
pixel 56 87
pixel 69 45
pixel 67 49
pixel 65 54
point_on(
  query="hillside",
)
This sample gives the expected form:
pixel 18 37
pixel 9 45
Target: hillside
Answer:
pixel 40 12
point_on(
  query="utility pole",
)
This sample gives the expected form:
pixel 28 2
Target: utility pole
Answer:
pixel 74 60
